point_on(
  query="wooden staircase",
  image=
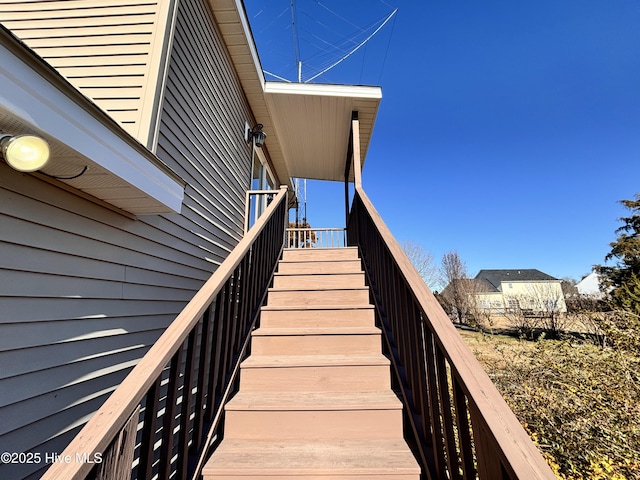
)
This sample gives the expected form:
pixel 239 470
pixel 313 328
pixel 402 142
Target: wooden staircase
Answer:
pixel 315 400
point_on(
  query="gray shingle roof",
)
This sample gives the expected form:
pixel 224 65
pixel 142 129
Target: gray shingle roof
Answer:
pixel 496 277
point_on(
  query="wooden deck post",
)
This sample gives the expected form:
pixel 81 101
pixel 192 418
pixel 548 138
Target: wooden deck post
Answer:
pixel 357 161
pixel 347 172
pixel 117 459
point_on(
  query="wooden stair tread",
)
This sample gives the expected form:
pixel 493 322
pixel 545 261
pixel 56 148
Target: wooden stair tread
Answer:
pixel 364 457
pixel 332 330
pixel 320 259
pixel 316 274
pixel 322 289
pixel 314 360
pixel 327 307
pixel 259 401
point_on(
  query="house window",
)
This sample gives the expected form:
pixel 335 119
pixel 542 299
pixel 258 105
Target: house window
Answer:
pixel 261 179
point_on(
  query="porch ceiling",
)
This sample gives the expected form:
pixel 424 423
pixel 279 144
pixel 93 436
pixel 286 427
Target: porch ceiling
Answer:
pixel 307 125
pixel 312 123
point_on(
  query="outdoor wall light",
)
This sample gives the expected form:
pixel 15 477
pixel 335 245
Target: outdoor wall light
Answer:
pixel 25 153
pixel 257 135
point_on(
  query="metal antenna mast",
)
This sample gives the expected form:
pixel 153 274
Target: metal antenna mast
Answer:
pixel 296 43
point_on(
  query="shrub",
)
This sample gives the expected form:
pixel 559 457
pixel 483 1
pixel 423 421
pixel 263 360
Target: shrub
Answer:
pixel 580 403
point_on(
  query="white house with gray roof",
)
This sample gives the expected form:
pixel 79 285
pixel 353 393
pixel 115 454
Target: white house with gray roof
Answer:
pixel 524 289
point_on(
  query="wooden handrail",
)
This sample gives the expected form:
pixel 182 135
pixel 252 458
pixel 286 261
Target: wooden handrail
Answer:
pixel 444 383
pixel 108 421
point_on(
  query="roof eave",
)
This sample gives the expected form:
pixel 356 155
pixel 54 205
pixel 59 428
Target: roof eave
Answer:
pixel 35 98
pixel 307 125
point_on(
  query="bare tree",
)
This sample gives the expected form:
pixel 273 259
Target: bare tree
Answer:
pixel 520 319
pixel 480 308
pixel 459 287
pixel 423 261
pixel 542 305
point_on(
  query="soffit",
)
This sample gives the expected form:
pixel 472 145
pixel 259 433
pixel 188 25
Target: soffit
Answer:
pixel 307 125
pixel 313 124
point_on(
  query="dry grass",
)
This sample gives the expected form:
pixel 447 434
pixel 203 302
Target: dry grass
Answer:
pixel 580 403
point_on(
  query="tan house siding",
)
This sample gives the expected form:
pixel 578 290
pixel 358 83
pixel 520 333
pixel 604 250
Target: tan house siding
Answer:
pixel 202 127
pixel 84 291
pixel 113 51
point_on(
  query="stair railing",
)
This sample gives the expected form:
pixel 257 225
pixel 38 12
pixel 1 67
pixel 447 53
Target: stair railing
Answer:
pixel 163 418
pixel 298 237
pixel 459 424
pixel 256 203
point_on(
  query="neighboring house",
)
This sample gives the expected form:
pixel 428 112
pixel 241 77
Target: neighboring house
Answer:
pixel 157 100
pixel 527 289
pixel 590 286
pixel 500 291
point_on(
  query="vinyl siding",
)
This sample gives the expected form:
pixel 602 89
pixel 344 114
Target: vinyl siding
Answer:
pixel 113 51
pixel 85 291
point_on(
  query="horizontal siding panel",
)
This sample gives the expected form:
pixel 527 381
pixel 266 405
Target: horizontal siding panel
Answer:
pixel 122 13
pixel 13 230
pixel 37 309
pixel 23 27
pixel 20 26
pixel 43 406
pixel 134 275
pixel 208 217
pixel 61 5
pixel 83 236
pixel 96 73
pixel 17 389
pixel 102 81
pixel 115 41
pixel 28 284
pixel 30 360
pixel 34 334
pixel 20 257
pixel 101 67
pixel 119 94
pixel 93 51
pixel 88 31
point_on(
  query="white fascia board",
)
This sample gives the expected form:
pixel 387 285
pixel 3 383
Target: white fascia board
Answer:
pixel 351 91
pixel 250 40
pixel 30 97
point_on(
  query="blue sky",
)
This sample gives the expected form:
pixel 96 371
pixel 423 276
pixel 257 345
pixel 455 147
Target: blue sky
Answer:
pixel 507 131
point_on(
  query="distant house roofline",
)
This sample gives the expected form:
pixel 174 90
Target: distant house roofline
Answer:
pixel 496 276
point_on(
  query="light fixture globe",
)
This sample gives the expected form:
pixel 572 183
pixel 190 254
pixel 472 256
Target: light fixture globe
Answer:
pixel 25 153
pixel 258 135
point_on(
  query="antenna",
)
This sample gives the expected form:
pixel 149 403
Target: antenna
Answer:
pixel 334 51
pixel 354 50
pixel 296 43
